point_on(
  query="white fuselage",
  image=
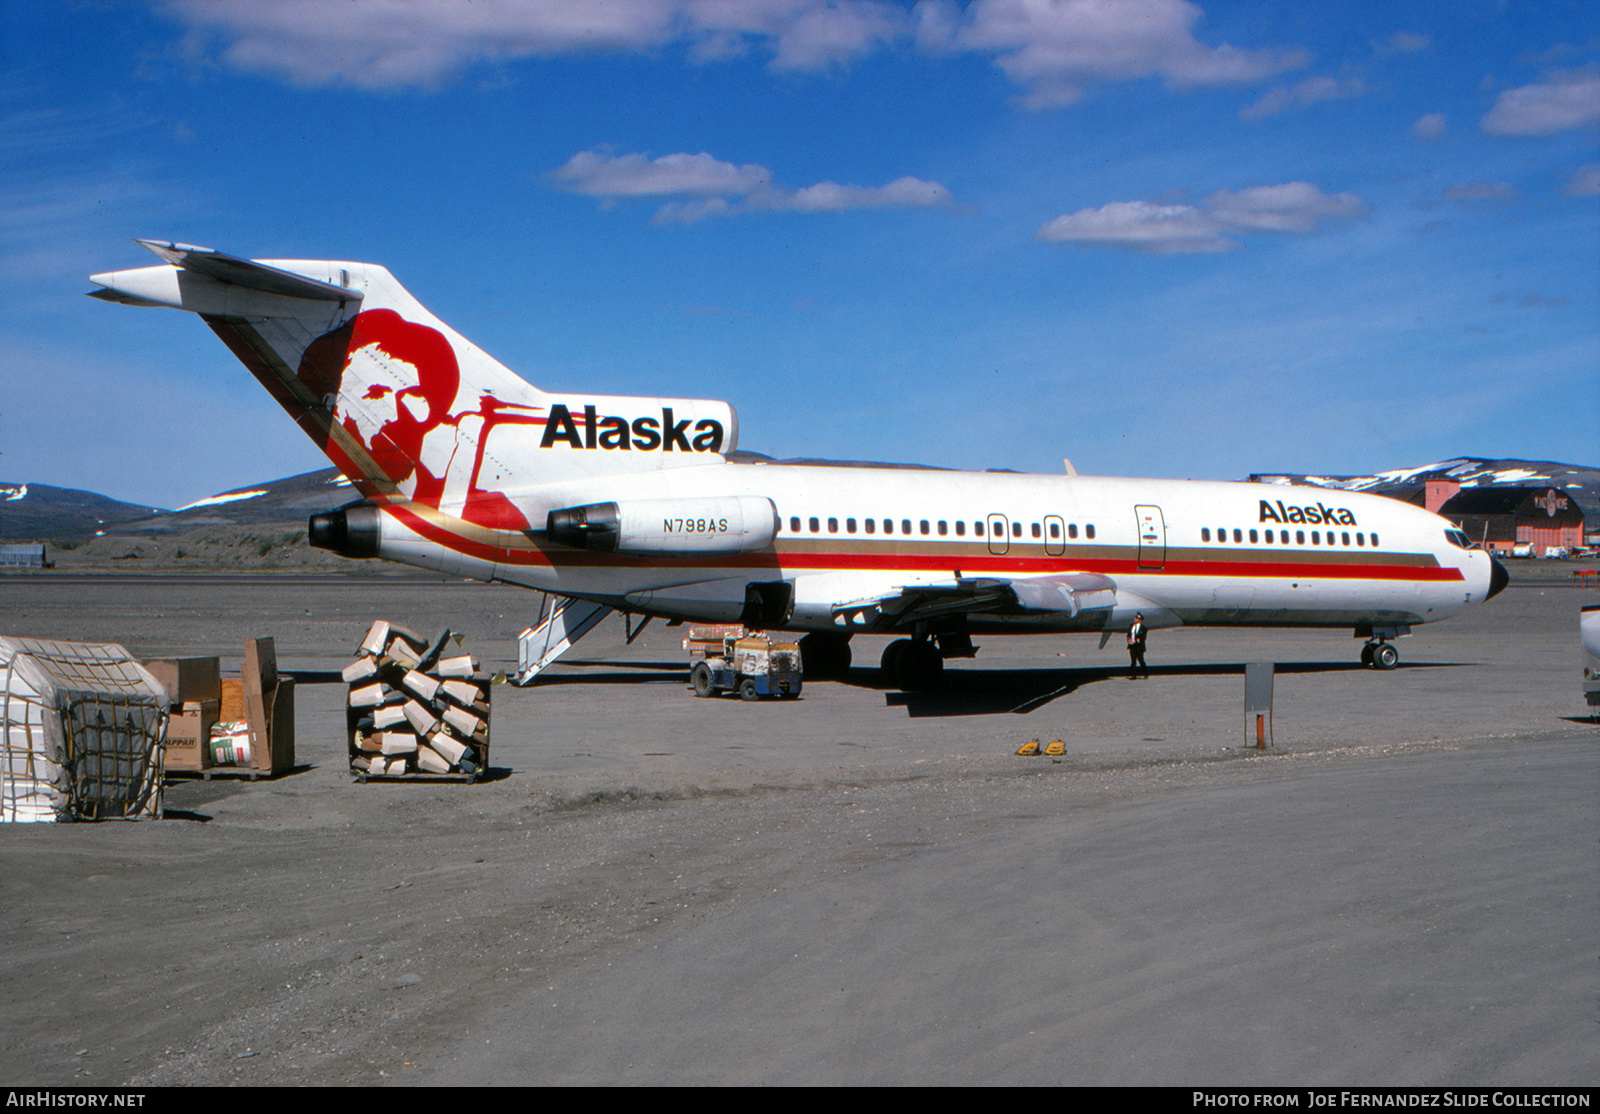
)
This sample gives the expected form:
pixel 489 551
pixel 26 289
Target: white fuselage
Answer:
pixel 1189 552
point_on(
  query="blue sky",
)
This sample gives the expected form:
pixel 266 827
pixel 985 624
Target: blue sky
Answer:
pixel 1156 237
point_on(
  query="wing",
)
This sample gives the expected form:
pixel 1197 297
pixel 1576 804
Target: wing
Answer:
pixel 1066 594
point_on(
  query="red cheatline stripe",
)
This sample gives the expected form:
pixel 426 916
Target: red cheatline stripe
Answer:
pixel 978 562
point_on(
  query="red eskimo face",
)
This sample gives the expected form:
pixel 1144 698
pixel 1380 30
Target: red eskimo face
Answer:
pixel 411 378
pixel 390 384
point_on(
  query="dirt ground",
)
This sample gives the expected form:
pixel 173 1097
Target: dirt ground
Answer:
pixel 859 887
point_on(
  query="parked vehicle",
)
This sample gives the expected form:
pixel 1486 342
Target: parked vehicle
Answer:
pixel 1589 636
pixel 753 666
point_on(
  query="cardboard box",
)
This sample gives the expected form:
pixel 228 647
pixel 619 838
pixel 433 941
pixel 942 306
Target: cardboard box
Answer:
pixel 189 735
pixel 266 702
pixel 232 699
pixel 269 707
pixel 188 680
pixel 280 755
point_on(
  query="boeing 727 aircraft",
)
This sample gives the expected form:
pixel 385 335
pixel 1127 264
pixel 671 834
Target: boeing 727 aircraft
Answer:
pixel 638 504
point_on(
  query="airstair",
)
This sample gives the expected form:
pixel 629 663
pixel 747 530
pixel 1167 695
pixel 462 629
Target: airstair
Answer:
pixel 569 620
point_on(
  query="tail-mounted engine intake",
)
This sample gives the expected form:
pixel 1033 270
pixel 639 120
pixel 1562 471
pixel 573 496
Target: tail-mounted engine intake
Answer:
pixel 668 527
pixel 351 531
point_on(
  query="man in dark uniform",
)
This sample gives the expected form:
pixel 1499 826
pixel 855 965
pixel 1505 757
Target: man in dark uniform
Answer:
pixel 1136 635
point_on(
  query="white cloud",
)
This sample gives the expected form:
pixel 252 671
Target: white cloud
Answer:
pixel 1563 102
pixel 398 43
pixel 1428 128
pixel 1585 181
pixel 1309 91
pixel 692 212
pixel 701 186
pixel 1294 207
pixel 1402 42
pixel 1053 49
pixel 817 36
pixel 1141 225
pixel 1057 48
pixel 614 176
pixel 1482 193
pixel 830 197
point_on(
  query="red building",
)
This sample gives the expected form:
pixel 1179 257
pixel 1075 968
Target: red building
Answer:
pixel 1503 518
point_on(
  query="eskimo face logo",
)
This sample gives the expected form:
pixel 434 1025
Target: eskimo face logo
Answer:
pixel 410 379
pixel 396 389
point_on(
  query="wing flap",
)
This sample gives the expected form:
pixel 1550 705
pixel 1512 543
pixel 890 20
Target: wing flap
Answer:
pixel 1067 593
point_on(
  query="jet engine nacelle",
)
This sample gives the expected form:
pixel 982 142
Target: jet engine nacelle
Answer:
pixel 362 530
pixel 355 530
pixel 668 527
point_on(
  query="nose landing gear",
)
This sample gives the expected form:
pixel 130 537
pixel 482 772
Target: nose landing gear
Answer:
pixel 1379 653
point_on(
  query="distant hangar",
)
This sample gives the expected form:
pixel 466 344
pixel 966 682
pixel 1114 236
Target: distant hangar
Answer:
pixel 1503 519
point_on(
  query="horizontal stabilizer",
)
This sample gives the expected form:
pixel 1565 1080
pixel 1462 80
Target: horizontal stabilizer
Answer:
pixel 248 273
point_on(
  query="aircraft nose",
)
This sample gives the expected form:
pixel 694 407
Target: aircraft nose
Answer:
pixel 1498 578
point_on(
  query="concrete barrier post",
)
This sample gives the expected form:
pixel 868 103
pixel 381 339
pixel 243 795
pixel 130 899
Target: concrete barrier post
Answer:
pixel 1258 704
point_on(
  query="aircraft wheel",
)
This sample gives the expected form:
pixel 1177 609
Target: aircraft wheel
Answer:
pixel 700 678
pixel 1385 656
pixel 747 691
pixel 825 654
pixel 1366 654
pixel 919 667
pixel 890 662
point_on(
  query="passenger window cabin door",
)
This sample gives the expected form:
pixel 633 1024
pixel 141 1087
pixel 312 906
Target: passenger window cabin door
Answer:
pixel 1055 536
pixel 1152 537
pixel 999 534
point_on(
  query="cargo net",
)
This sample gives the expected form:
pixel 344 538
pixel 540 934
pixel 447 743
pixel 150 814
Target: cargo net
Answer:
pixel 83 727
pixel 33 781
pixel 113 758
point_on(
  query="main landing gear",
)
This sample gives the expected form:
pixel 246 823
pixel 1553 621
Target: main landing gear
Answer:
pixel 916 664
pixel 1379 653
pixel 912 664
pixel 825 654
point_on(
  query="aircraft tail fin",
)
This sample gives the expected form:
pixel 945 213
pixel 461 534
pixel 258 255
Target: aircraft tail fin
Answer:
pixel 409 409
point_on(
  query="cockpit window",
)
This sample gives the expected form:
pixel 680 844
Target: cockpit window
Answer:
pixel 1458 539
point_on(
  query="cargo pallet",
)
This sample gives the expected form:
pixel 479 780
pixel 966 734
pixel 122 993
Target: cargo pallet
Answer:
pixel 241 773
pixel 361 777
pixel 431 709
